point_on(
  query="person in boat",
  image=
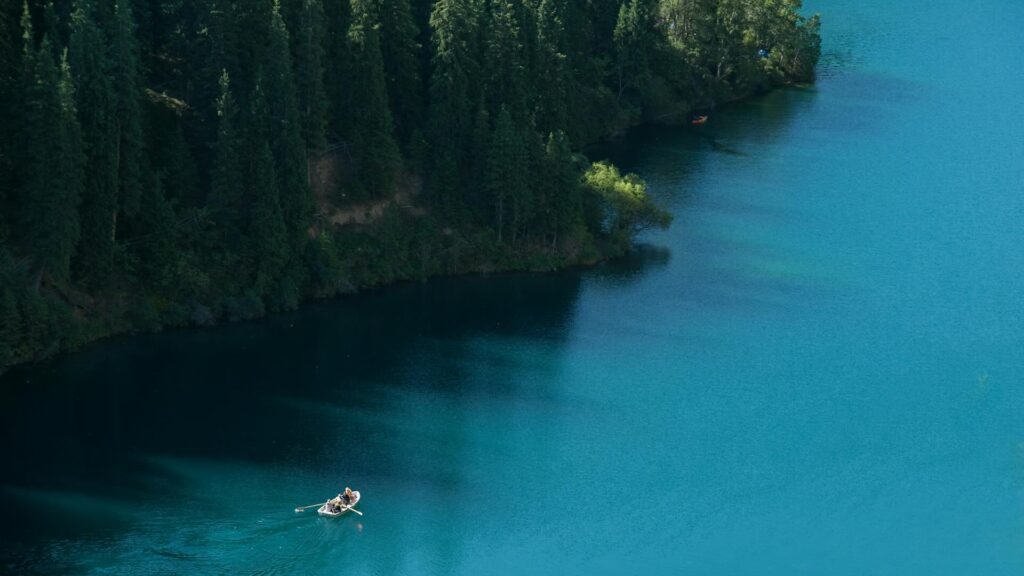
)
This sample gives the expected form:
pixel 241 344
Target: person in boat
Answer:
pixel 348 496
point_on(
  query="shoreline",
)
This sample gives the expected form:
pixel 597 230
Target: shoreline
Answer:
pixel 104 328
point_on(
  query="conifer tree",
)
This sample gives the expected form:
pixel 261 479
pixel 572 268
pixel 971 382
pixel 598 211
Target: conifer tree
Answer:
pixel 215 53
pixel 226 183
pixel 154 250
pixel 563 178
pixel 306 29
pixel 400 51
pixel 553 81
pixel 285 129
pixel 506 171
pixel 10 326
pixel 337 18
pixel 372 132
pixel 632 44
pixel 97 110
pixel 125 59
pixel 454 68
pixel 480 144
pixel 54 175
pixel 267 231
pixel 505 62
pixel 10 50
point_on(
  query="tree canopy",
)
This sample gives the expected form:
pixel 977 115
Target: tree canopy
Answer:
pixel 173 163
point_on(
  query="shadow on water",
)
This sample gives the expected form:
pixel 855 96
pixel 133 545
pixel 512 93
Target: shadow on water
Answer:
pixel 259 392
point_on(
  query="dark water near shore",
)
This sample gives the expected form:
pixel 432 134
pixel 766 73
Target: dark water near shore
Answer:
pixel 818 370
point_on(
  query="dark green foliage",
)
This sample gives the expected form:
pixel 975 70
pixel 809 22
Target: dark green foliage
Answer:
pixel 305 20
pixel 97 113
pixel 454 65
pixel 337 18
pixel 284 129
pixel 372 129
pixel 172 162
pixel 53 170
pixel 267 233
pixel 553 78
pixel 633 40
pixel 125 60
pixel 10 327
pixel 154 252
pixel 227 187
pixel 505 178
pixel 563 205
pixel 10 61
pixel 505 62
pixel 400 50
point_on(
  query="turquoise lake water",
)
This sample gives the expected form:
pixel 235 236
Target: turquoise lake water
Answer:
pixel 819 369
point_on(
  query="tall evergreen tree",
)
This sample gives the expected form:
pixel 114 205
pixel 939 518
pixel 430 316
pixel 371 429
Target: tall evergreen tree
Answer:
pixel 505 62
pixel 215 52
pixel 97 113
pixel 130 146
pixel 10 326
pixel 454 68
pixel 306 28
pixel 10 56
pixel 267 231
pixel 54 175
pixel 563 179
pixel 632 45
pixel 372 129
pixel 553 79
pixel 400 48
pixel 285 128
pixel 506 172
pixel 154 250
pixel 337 19
pixel 226 184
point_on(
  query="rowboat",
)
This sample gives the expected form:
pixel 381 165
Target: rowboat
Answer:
pixel 327 508
pixel 699 120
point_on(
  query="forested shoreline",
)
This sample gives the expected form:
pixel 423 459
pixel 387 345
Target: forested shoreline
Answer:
pixel 185 162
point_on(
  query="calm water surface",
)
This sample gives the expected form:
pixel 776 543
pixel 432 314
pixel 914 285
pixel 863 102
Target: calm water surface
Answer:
pixel 818 370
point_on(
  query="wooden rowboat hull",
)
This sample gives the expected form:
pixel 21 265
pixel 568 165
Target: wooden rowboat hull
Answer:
pixel 326 511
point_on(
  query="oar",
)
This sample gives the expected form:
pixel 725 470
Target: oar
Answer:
pixel 354 510
pixel 304 508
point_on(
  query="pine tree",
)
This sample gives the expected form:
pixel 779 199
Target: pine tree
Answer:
pixel 54 175
pixel 506 170
pixel 337 18
pixel 505 62
pixel 285 129
pixel 10 327
pixel 131 159
pixel 155 250
pixel 10 56
pixel 306 28
pixel 562 177
pixel 632 44
pixel 226 183
pixel 215 53
pixel 480 144
pixel 97 111
pixel 267 231
pixel 372 133
pixel 171 152
pixel 553 80
pixel 454 68
pixel 400 51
